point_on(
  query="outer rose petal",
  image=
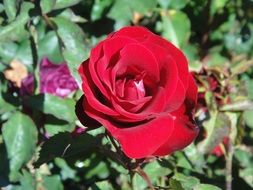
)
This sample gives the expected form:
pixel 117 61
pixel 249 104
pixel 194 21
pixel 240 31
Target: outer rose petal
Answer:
pixel 83 117
pixel 137 32
pixel 141 140
pixel 183 134
pixel 185 130
pixel 89 90
pixel 175 53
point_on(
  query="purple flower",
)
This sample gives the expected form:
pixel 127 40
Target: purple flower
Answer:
pixel 55 79
pixel 27 85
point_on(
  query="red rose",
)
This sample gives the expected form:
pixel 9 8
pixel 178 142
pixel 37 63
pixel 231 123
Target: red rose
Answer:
pixel 138 86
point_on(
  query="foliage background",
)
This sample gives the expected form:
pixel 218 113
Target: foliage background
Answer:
pixel 216 36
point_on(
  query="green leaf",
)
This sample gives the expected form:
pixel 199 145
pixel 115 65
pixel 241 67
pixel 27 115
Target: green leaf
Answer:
pixel 8 51
pixel 52 183
pixel 63 109
pixel 47 6
pixel 2 8
pixel 66 171
pixel 245 158
pixel 11 8
pixel 239 41
pixel 249 87
pixel 70 15
pixel 206 187
pixel 154 170
pixel 197 160
pixel 187 182
pixel 122 10
pixel 191 53
pixel 142 7
pixel 74 50
pixel 65 145
pixel 5 107
pixel 217 6
pixel 99 170
pixel 98 8
pixel 238 106
pixel 27 182
pixel 172 4
pixel 54 126
pixel 16 29
pixel 175 184
pixel 216 60
pixel 20 137
pixel 53 129
pixel 248 115
pixel 172 28
pixel 24 53
pixel 49 47
pixel 60 4
pixel 247 175
pixel 103 185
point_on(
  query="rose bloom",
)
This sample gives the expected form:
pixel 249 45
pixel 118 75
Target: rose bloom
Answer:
pixel 138 86
pixel 55 79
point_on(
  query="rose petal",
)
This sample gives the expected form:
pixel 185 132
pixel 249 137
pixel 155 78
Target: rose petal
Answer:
pixel 101 57
pixel 83 117
pixel 175 53
pixel 134 32
pixel 136 58
pixel 89 91
pixel 141 140
pixel 183 134
pixel 192 90
pixel 185 130
pixel 177 99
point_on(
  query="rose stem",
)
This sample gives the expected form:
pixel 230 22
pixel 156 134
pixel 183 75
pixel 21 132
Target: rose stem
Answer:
pixel 145 177
pixel 229 160
pixel 114 143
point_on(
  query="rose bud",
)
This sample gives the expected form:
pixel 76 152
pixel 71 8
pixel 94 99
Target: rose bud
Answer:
pixel 138 86
pixel 55 79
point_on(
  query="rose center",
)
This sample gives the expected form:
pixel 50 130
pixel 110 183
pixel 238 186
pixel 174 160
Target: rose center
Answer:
pixel 131 89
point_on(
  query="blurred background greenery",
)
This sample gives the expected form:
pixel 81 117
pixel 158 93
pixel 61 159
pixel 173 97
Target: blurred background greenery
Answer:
pixel 215 35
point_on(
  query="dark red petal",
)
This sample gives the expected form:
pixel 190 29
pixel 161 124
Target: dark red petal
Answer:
pixel 177 99
pixel 188 107
pixel 185 130
pixel 135 32
pixel 125 115
pixel 137 58
pixel 100 69
pixel 157 103
pixel 183 134
pixel 134 105
pixel 141 140
pixel 83 117
pixel 174 52
pixel 89 89
pixel 192 91
pixel 100 59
